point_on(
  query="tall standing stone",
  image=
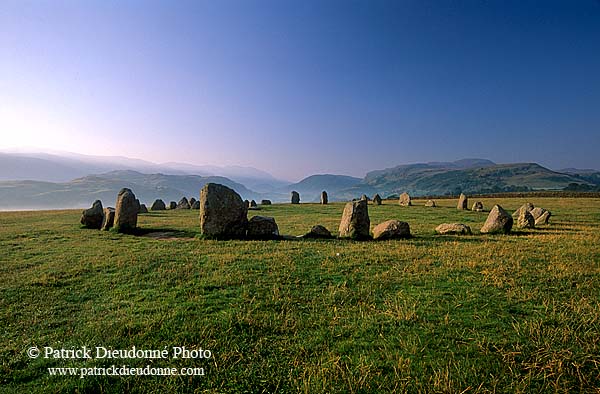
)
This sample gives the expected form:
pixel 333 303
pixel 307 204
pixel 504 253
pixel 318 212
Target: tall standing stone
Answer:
pixel 525 220
pixel 355 221
pixel 126 211
pixel 109 218
pixel 404 200
pixel 183 204
pixel 324 198
pixel 498 221
pixel 377 199
pixel 295 197
pixel 223 213
pixel 463 202
pixel 93 217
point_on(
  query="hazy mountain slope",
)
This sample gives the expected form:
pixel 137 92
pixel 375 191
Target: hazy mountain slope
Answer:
pixel 310 188
pixel 81 192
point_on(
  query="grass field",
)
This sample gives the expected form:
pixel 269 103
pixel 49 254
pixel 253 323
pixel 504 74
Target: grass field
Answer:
pixel 516 313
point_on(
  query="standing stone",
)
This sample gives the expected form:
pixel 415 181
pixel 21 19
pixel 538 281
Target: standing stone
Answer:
pixel 196 204
pixel 183 204
pixel 318 231
pixel 93 217
pixel 139 206
pixel 498 221
pixel 404 200
pixel 364 197
pixel 223 213
pixel 377 199
pixel 172 205
pixel 463 202
pixel 477 206
pixel 355 221
pixel 158 205
pixel 253 204
pixel 126 211
pixel 324 198
pixel 109 218
pixel 525 220
pixel 391 229
pixel 295 197
pixel 525 207
pixel 430 203
pixel 262 227
pixel 536 212
pixel 453 228
pixel 247 203
pixel 265 202
pixel 143 208
pixel 192 201
pixel 543 219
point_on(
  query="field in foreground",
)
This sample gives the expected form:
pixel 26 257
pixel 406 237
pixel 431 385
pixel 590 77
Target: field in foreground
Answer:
pixel 480 313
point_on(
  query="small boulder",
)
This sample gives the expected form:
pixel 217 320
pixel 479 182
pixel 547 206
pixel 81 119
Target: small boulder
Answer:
pixel 404 200
pixel 463 202
pixel 143 208
pixel 183 204
pixel 195 205
pixel 158 205
pixel 430 203
pixel 525 220
pixel 477 207
pixel 355 221
pixel 93 217
pixel 262 227
pixel 223 213
pixel 391 229
pixel 172 205
pixel 318 231
pixel 109 218
pixel 498 221
pixel 253 204
pixel 376 199
pixel 265 202
pixel 295 197
pixel 453 228
pixel 324 197
pixel 126 211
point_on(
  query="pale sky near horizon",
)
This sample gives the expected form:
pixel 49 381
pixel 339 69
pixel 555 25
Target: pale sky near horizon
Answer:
pixel 303 87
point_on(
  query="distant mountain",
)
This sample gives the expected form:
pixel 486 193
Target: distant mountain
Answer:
pixel 310 188
pixel 81 192
pixel 440 179
pixel 65 166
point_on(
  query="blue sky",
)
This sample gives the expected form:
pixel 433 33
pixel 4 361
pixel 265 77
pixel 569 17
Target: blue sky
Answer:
pixel 303 87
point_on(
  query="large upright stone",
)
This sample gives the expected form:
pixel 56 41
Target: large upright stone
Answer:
pixel 183 204
pixel 295 197
pixel 498 221
pixel 223 213
pixel 355 220
pixel 158 205
pixel 404 200
pixel 376 199
pixel 525 207
pixel 109 218
pixel 391 229
pixel 541 216
pixel 525 220
pixel 262 227
pixel 324 197
pixel 463 202
pixel 93 217
pixel 126 211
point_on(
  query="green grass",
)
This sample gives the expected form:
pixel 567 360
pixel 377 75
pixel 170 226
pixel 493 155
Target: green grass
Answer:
pixel 502 313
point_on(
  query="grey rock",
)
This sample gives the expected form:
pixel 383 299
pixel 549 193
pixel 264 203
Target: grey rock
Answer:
pixel 109 218
pixel 262 227
pixel 404 200
pixel 324 197
pixel 430 204
pixel 525 220
pixel 295 197
pixel 376 199
pixel 355 221
pixel 143 208
pixel 253 204
pixel 158 205
pixel 183 204
pixel 463 202
pixel 453 228
pixel 172 205
pixel 195 205
pixel 126 211
pixel 265 202
pixel 223 214
pixel 93 217
pixel 318 231
pixel 391 229
pixel 525 207
pixel 498 221
pixel 477 207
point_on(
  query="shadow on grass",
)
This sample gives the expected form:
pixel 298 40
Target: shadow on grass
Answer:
pixel 163 233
